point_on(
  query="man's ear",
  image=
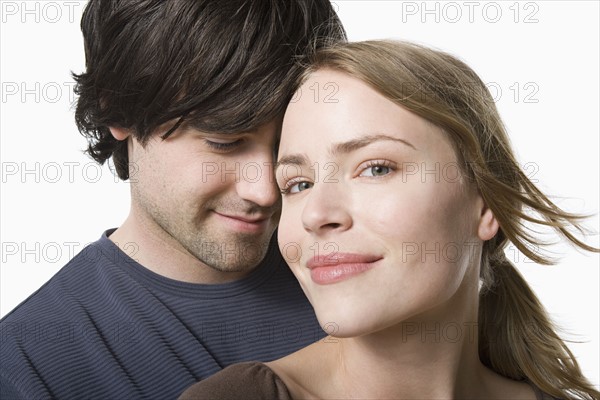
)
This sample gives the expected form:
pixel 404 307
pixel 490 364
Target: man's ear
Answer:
pixel 119 133
pixel 488 224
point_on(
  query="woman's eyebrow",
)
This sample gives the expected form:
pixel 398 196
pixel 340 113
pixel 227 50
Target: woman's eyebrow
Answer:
pixel 301 160
pixel 352 145
pixel 292 159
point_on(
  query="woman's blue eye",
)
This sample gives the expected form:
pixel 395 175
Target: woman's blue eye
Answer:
pixel 376 170
pixel 297 187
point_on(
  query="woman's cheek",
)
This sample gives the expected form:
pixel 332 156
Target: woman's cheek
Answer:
pixel 289 235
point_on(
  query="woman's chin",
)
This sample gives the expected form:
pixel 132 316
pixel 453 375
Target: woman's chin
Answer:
pixel 342 327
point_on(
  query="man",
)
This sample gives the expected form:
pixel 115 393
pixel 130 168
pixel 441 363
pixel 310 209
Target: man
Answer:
pixel 186 97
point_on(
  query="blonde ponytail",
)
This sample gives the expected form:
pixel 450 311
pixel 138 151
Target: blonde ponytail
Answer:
pixel 518 340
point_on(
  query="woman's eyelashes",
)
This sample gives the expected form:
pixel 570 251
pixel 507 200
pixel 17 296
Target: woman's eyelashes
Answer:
pixel 376 168
pixel 369 169
pixel 296 185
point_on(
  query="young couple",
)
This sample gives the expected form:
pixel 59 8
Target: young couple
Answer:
pixel 191 96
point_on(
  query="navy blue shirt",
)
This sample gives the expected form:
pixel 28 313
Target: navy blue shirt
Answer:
pixel 105 327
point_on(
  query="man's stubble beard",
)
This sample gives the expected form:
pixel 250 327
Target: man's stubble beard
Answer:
pixel 227 252
pixel 216 248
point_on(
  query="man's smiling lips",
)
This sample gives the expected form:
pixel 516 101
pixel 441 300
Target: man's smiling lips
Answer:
pixel 337 267
pixel 254 224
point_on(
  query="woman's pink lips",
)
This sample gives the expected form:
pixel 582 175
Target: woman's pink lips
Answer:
pixel 337 267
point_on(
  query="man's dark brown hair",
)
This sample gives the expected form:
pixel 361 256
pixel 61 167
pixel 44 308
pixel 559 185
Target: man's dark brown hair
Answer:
pixel 220 66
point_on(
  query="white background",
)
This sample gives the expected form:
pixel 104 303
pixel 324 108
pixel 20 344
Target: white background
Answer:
pixel 548 50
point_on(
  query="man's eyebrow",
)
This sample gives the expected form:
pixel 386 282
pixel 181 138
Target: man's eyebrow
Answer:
pixel 340 148
pixel 355 144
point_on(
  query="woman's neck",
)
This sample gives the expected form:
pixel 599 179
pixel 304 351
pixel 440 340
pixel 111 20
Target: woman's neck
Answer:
pixel 413 360
pixel 434 357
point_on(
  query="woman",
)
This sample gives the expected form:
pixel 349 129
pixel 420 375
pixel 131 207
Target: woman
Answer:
pixel 400 192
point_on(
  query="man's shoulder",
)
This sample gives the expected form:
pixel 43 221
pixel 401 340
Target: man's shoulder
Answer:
pixel 46 324
pixel 53 311
pixel 75 277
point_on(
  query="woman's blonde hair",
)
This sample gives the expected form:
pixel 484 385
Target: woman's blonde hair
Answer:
pixel 516 336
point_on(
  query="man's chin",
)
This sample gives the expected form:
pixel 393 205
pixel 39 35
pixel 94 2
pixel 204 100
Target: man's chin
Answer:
pixel 234 252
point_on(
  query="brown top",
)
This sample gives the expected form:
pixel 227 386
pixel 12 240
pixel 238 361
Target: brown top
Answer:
pixel 254 381
pixel 250 380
